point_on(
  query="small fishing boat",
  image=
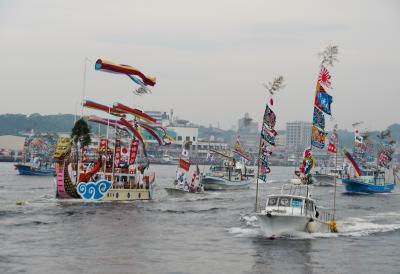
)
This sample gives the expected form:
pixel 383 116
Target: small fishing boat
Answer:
pixel 323 178
pixel 293 211
pixel 232 174
pixel 31 170
pixel 177 191
pixel 37 152
pixel 224 177
pixel 378 178
pixel 181 185
pixel 373 181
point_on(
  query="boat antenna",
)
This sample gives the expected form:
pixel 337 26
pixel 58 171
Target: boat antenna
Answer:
pixel 84 82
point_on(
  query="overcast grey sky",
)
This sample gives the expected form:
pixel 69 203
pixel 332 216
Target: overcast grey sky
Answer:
pixel 210 57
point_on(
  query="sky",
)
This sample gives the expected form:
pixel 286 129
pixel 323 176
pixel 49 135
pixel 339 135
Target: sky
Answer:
pixel 210 57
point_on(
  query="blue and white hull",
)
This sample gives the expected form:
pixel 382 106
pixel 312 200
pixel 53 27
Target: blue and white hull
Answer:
pixel 31 171
pixel 360 186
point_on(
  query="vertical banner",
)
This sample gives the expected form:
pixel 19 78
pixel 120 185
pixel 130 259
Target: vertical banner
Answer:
pixel 133 151
pixel 268 135
pixel 117 152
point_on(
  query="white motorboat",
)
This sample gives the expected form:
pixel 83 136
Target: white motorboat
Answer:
pixel 322 178
pixel 224 178
pixel 293 211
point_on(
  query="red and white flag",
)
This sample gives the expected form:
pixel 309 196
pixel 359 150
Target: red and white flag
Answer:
pixel 185 165
pixel 324 77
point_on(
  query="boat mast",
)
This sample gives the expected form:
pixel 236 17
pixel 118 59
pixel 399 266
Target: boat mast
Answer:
pixel 335 179
pixel 276 85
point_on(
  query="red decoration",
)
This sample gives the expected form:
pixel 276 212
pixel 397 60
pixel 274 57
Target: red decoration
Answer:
pixel 134 151
pixel 84 154
pixel 184 164
pixel 324 77
pixel 117 152
pixel 332 148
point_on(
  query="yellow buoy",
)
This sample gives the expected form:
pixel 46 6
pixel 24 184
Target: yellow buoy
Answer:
pixel 333 226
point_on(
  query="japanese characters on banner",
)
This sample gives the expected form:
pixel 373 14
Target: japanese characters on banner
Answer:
pixel 268 135
pixel 117 152
pixel 133 151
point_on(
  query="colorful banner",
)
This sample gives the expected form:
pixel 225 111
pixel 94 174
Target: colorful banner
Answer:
pixel 353 162
pixel 135 112
pixel 117 152
pixel 323 101
pixel 319 118
pixel 133 151
pixel 308 162
pixel 108 66
pixel 239 150
pixel 333 141
pixel 109 110
pixel 318 137
pixel 269 117
pixel 384 159
pixel 185 165
pixel 268 134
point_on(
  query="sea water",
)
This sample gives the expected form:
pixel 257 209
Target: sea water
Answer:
pixel 212 233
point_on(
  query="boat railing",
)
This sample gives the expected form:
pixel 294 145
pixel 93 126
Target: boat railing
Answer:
pixel 296 190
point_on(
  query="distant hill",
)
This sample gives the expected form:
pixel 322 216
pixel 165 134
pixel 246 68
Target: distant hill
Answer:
pixel 15 124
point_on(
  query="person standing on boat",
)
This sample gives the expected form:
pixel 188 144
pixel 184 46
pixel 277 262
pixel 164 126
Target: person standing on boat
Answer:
pixel 140 180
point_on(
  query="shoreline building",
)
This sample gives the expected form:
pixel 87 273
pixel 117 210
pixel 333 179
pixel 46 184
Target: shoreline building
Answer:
pixel 298 137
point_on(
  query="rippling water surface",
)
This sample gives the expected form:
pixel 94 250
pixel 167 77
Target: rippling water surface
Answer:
pixel 214 233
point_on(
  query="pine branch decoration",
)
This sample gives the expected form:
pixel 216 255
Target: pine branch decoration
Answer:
pixel 276 85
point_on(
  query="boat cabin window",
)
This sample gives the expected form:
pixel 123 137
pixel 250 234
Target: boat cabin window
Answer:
pixel 284 201
pixel 272 201
pixel 297 203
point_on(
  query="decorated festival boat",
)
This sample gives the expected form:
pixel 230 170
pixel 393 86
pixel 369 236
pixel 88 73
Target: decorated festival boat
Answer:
pixel 181 185
pixel 293 210
pixel 230 175
pixel 371 178
pixel 37 152
pixel 113 174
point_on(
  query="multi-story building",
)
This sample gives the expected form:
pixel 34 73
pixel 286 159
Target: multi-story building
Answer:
pixel 162 117
pixel 298 135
